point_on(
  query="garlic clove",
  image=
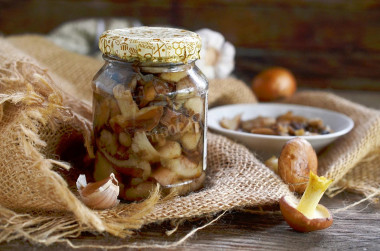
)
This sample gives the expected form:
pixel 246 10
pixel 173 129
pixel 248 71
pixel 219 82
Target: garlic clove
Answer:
pixel 99 195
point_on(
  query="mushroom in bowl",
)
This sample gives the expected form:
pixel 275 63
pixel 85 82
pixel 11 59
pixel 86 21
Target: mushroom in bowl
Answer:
pixel 268 145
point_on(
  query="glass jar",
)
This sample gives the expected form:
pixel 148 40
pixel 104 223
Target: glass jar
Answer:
pixel 149 106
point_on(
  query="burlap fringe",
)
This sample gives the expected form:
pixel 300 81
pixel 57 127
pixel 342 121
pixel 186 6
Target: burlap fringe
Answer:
pixel 357 180
pixel 45 109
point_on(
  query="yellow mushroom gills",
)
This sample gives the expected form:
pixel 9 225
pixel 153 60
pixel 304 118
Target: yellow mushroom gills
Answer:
pixel 308 215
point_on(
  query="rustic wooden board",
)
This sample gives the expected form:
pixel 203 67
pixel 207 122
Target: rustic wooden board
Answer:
pixel 328 44
pixel 355 228
pixel 336 26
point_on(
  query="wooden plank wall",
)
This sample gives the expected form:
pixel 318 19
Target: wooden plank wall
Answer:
pixel 326 43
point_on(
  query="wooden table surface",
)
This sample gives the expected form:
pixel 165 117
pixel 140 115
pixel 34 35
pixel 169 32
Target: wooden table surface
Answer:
pixel 355 228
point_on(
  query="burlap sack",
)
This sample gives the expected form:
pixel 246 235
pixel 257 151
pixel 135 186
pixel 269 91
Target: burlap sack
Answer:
pixel 45 113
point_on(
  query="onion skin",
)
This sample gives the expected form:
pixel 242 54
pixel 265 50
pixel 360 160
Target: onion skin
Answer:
pixel 274 83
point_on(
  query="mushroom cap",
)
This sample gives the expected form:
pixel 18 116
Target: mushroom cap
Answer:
pixel 296 160
pixel 322 217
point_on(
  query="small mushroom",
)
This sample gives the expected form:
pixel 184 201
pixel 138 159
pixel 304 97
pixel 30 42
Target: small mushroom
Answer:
pixel 131 167
pixel 175 122
pixel 146 119
pixel 139 192
pixel 190 140
pixel 265 131
pixel 272 163
pixel 125 101
pixel 195 106
pixel 183 167
pixel 102 108
pixel 185 89
pixel 149 93
pixel 296 160
pixel 185 188
pixel 142 147
pixel 231 124
pixel 108 141
pixel 173 76
pixel 308 215
pixel 170 150
pixel 165 176
pixel 125 139
pixel 259 122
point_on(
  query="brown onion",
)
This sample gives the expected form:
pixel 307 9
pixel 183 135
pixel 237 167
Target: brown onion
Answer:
pixel 274 83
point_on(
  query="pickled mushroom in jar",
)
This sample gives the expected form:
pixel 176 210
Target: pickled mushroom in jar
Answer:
pixel 151 131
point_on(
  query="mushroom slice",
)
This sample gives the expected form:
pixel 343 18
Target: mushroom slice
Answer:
pixel 175 122
pixel 195 184
pixel 139 192
pixel 190 140
pixel 125 139
pixel 231 124
pixel 173 76
pixel 108 141
pixel 185 88
pixel 125 101
pixel 149 93
pixel 146 119
pixel 195 106
pixel 308 215
pixel 170 150
pixel 165 176
pixel 132 167
pixel 183 167
pixel 259 122
pixel 102 112
pixel 142 147
pixel 265 131
pixel 272 163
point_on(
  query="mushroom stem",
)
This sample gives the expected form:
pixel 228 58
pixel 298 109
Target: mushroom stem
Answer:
pixel 315 189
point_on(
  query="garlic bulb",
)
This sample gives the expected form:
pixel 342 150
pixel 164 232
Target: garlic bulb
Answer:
pixel 99 195
pixel 216 56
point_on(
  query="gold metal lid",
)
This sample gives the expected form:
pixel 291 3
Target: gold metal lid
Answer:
pixel 151 44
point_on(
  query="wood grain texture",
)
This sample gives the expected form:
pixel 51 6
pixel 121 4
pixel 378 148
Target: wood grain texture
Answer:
pixel 328 44
pixel 355 228
pixel 301 25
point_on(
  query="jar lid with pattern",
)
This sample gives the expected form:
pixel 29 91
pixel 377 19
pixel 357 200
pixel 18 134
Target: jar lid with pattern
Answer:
pixel 151 44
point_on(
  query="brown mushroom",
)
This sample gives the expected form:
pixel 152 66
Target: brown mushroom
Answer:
pixel 187 186
pixel 139 192
pixel 259 122
pixel 165 176
pixel 175 122
pixel 149 93
pixel 296 160
pixel 146 119
pixel 308 215
pixel 231 124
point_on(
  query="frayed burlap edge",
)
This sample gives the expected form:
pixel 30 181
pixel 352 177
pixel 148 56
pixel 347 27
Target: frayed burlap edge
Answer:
pixel 36 106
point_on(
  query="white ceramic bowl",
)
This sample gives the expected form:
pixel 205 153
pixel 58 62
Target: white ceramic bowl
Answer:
pixel 268 145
